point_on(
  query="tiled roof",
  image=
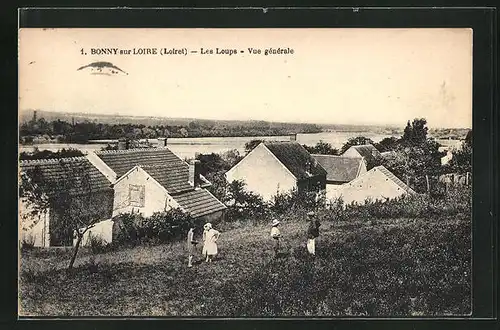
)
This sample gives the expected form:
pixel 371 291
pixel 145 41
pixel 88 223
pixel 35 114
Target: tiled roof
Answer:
pixel 338 168
pixel 161 163
pixel 368 151
pixel 394 179
pixel 199 202
pixel 295 158
pixel 65 173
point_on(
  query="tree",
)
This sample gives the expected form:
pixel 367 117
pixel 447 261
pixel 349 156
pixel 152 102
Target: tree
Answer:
pixel 387 144
pixel 461 161
pixel 75 202
pixel 416 132
pixel 212 163
pixel 355 141
pixel 322 148
pixel 250 145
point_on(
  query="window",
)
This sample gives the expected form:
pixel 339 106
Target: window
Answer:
pixel 136 195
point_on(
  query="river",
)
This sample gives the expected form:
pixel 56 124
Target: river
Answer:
pixel 188 147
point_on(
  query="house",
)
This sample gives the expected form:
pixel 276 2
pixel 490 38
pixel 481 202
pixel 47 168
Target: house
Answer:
pixel 94 194
pixel 367 151
pixel 339 170
pixel 154 180
pixel 273 167
pixel 376 184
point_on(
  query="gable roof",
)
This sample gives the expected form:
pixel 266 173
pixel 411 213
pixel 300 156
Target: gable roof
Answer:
pixel 295 158
pixel 338 168
pixel 395 179
pixel 199 202
pixel 60 172
pixel 161 163
pixel 367 151
pixel 389 175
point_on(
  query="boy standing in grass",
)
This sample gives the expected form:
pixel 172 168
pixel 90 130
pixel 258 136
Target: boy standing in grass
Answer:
pixel 191 244
pixel 276 235
pixel 312 233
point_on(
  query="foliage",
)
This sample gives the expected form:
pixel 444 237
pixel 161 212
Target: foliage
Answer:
pixel 322 148
pixel 387 144
pixel 212 163
pixel 161 227
pixel 295 201
pixel 83 131
pixel 47 154
pixel 250 145
pixel 456 201
pixel 355 141
pixel 97 244
pixel 461 162
pixel 75 205
pixel 415 133
pixel 243 204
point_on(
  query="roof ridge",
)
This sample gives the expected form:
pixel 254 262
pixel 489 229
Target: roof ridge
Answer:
pixel 50 160
pixel 394 178
pixel 102 152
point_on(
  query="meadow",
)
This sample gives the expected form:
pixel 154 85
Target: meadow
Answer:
pixel 407 266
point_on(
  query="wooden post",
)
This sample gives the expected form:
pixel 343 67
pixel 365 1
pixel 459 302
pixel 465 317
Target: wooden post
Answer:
pixel 428 186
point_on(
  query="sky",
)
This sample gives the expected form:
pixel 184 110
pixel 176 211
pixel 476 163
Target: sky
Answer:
pixel 335 76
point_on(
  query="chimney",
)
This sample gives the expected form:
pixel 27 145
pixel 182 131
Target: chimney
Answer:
pixel 122 144
pixel 162 142
pixel 194 173
pixel 293 137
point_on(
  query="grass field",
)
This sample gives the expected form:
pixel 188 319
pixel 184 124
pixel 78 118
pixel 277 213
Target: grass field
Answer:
pixel 397 267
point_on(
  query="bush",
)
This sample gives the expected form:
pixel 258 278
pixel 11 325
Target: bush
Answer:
pixel 97 244
pixel 161 227
pixel 242 204
pixel 456 201
pixel 28 242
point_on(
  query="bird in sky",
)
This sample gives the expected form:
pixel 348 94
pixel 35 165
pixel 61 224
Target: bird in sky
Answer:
pixel 102 68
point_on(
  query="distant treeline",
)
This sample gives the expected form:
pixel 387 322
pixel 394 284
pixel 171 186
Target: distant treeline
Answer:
pixel 81 132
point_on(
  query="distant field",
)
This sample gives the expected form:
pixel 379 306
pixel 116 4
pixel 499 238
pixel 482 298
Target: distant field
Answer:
pixel 397 267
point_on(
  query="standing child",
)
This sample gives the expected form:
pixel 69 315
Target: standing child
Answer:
pixel 191 243
pixel 276 235
pixel 312 233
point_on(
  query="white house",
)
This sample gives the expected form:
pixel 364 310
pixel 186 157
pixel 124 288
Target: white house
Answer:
pixel 154 180
pixel 376 184
pixel 340 170
pixel 273 167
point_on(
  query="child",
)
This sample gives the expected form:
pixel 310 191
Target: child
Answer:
pixel 276 235
pixel 312 233
pixel 191 243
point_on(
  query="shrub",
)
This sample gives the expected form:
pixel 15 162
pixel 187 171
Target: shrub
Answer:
pixel 161 227
pixel 28 242
pixel 97 244
pixel 456 201
pixel 243 204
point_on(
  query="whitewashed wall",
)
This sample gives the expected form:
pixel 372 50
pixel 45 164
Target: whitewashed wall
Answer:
pixel 262 173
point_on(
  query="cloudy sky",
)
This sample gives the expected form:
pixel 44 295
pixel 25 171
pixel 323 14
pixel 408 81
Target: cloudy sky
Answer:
pixel 358 76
